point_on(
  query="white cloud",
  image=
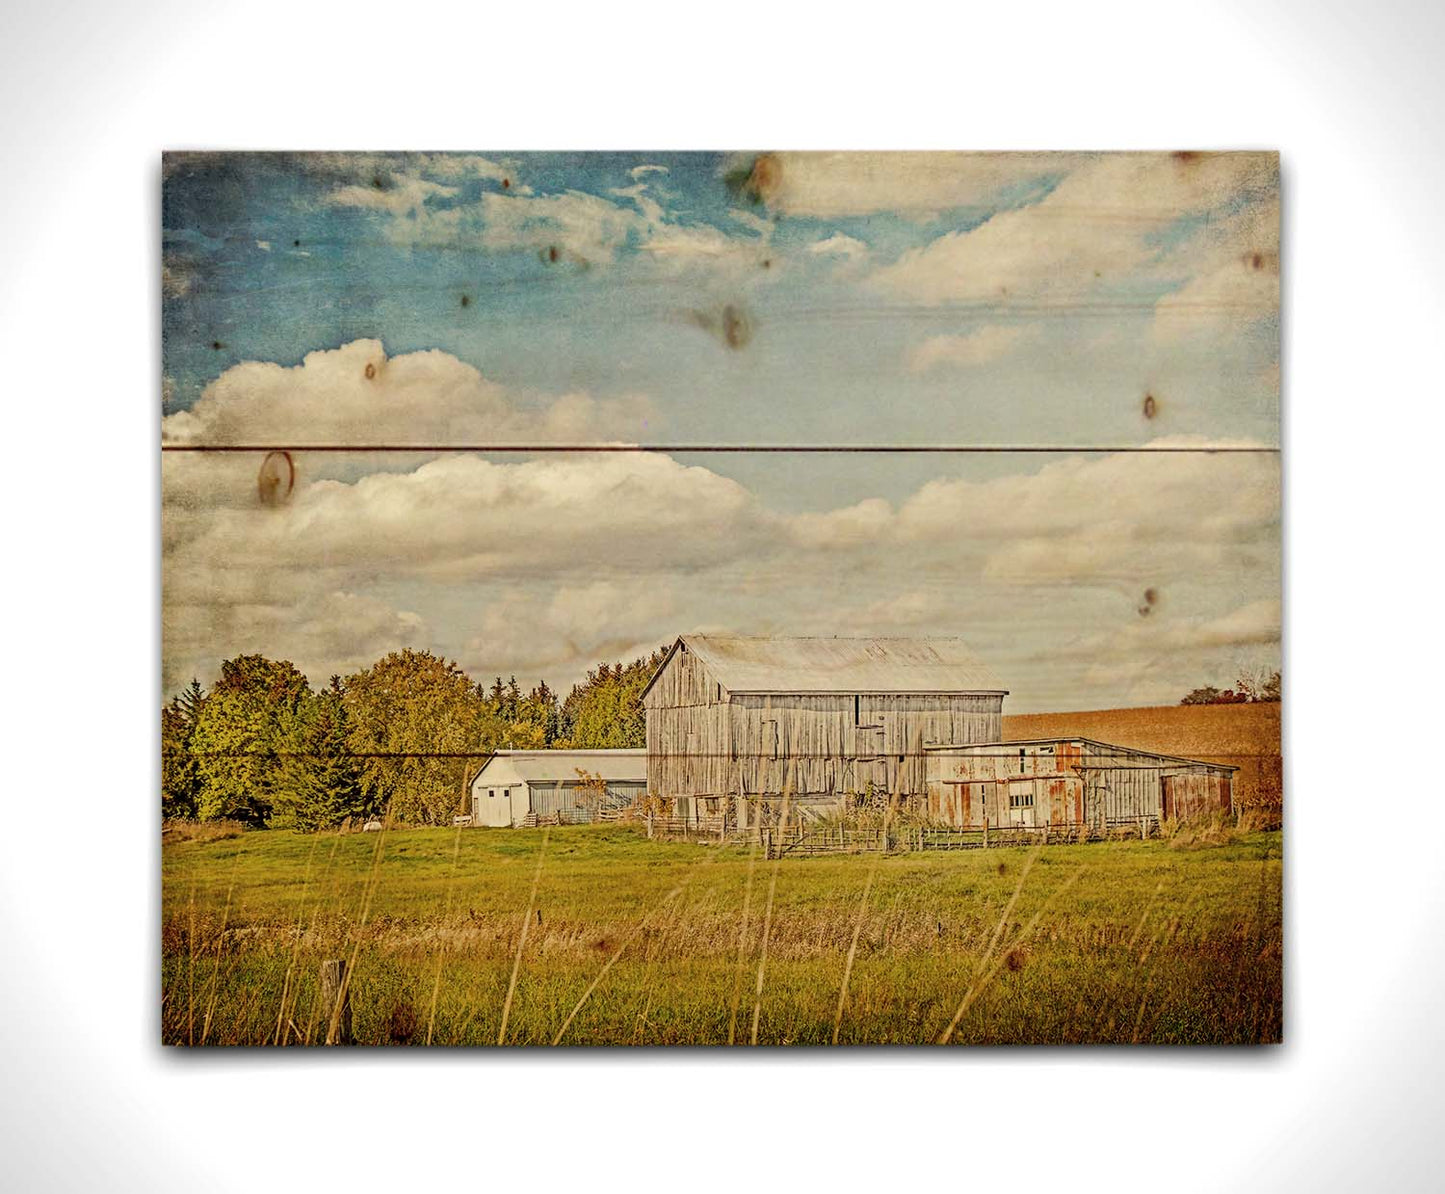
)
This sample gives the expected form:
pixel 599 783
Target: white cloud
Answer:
pixel 572 536
pixel 980 347
pixel 571 228
pixel 1118 520
pixel 591 621
pixel 1234 281
pixel 544 566
pixel 402 195
pixel 323 633
pixel 839 245
pixel 357 393
pixel 1098 230
pixel 764 228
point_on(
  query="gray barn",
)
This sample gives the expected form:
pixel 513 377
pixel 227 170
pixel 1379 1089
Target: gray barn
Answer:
pixel 748 718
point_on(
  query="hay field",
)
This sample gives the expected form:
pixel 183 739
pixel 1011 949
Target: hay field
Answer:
pixel 636 942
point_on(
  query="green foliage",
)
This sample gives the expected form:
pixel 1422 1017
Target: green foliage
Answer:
pixel 605 711
pixel 412 704
pixel 530 722
pixel 180 776
pixel 241 734
pixel 320 782
pixel 262 748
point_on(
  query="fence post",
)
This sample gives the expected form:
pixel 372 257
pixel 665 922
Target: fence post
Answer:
pixel 985 831
pixel 649 824
pixel 336 1002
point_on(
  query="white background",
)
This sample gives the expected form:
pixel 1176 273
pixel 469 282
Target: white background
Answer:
pixel 1350 93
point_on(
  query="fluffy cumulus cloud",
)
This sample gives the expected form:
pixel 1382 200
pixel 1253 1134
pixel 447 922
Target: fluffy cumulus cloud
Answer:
pixel 543 566
pixel 544 556
pixel 1120 516
pixel 358 394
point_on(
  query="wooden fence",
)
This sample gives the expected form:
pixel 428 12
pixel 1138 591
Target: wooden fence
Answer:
pixel 805 839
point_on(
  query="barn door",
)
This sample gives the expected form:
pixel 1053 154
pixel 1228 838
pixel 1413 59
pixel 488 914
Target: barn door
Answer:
pixel 1021 802
pixel 880 764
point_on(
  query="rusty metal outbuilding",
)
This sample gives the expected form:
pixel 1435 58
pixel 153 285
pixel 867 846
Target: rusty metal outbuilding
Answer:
pixel 1069 782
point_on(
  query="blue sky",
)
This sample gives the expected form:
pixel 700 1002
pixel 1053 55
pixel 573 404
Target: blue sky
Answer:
pixel 730 298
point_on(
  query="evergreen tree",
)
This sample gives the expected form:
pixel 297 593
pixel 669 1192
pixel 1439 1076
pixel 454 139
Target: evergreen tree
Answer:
pixel 320 783
pixel 180 776
pixel 605 711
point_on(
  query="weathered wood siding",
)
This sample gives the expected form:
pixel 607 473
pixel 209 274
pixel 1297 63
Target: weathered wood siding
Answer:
pixel 966 787
pixel 1071 783
pixel 703 741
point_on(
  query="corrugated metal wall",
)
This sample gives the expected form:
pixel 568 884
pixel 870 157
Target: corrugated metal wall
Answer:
pixel 563 797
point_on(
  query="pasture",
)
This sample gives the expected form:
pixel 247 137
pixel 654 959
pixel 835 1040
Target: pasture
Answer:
pixel 629 941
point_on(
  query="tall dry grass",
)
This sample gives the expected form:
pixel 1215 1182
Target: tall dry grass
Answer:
pixel 646 942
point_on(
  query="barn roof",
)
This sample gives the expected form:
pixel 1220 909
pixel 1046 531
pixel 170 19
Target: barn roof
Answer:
pixel 552 766
pixel 1109 749
pixel 876 665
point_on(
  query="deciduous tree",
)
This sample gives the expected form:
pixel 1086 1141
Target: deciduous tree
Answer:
pixel 403 713
pixel 241 735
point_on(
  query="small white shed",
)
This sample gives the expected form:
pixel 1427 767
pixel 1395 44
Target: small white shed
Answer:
pixel 515 787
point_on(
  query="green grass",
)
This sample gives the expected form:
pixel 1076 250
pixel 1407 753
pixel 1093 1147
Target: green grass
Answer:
pixel 1146 943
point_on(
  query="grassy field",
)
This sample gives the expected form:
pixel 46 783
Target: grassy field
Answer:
pixel 635 942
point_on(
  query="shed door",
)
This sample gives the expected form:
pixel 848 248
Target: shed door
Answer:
pixel 491 806
pixel 1021 802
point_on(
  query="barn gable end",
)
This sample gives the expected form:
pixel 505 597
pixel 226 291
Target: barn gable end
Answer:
pixel 734 720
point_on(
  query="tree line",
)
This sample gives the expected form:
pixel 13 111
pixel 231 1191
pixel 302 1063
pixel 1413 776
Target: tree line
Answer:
pixel 1248 690
pixel 402 736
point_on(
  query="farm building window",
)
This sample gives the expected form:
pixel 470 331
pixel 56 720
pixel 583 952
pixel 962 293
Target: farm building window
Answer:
pixel 492 793
pixel 1021 762
pixel 1020 800
pixel 857 710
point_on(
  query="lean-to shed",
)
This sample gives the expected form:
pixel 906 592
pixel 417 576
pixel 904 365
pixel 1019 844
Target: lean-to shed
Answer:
pixel 736 721
pixel 515 787
pixel 1069 782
